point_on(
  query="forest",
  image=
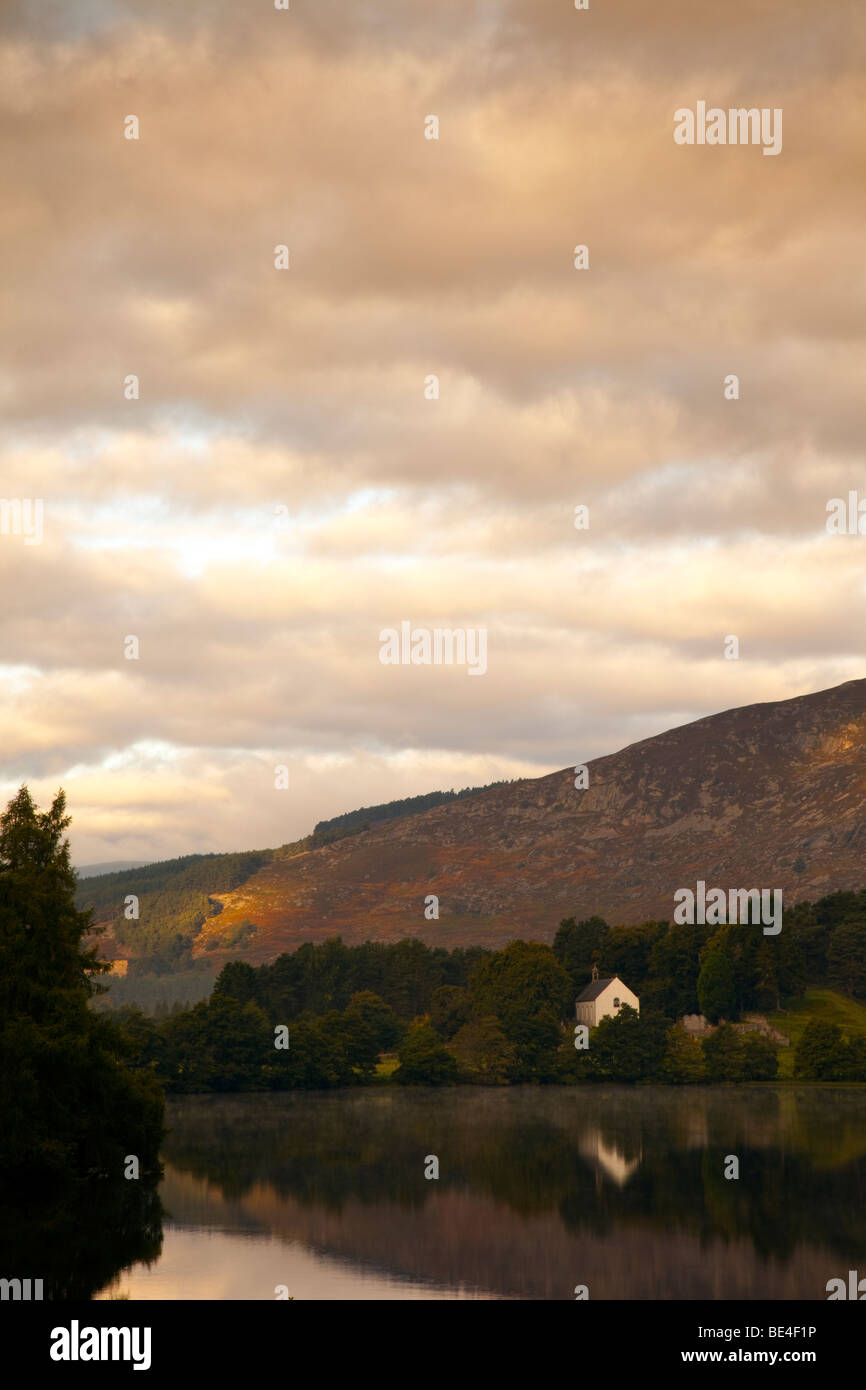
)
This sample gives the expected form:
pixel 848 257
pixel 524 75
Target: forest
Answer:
pixel 503 1017
pixel 362 819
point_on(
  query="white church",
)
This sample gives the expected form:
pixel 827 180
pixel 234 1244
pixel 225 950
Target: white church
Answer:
pixel 603 999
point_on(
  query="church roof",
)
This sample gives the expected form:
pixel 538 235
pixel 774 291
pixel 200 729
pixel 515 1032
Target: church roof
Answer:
pixel 594 990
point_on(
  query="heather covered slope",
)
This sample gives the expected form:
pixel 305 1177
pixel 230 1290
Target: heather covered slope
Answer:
pixel 769 795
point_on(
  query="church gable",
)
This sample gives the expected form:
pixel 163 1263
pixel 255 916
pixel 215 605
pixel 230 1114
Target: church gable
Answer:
pixel 604 999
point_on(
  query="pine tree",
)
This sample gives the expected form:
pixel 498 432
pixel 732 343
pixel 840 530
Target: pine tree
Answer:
pixel 67 1099
pixel 846 958
pixel 716 984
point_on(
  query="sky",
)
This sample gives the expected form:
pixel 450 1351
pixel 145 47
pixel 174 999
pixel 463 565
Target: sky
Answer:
pixel 287 485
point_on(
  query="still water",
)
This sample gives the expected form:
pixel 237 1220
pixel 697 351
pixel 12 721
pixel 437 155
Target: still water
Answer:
pixel 540 1189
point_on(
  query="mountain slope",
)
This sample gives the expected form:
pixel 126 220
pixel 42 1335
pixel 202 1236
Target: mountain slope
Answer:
pixel 769 795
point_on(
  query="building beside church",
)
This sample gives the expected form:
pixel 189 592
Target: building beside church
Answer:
pixel 603 999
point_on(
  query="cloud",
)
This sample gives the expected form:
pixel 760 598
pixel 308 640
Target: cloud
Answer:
pixel 283 488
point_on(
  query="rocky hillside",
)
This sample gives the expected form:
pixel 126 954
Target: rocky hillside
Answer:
pixel 770 795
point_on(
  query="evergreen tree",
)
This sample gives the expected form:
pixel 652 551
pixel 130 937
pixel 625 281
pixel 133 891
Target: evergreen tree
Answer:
pixel 674 969
pixel 766 983
pixel 628 951
pixel 68 1099
pixel 716 983
pixel 846 958
pixel 577 946
pixel 238 980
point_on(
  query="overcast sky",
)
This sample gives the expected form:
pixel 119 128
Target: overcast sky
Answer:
pixel 304 389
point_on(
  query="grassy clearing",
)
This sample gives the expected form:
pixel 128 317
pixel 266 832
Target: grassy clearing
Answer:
pixel 824 1004
pixel 386 1066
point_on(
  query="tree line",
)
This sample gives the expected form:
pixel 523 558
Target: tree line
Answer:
pixel 351 822
pixel 725 971
pixel 502 1017
pixel 80 1089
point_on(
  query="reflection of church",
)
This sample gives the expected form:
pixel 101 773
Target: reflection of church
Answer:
pixel 607 1157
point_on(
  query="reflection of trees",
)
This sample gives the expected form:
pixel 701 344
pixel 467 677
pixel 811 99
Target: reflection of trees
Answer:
pixel 536 1150
pixel 78 1237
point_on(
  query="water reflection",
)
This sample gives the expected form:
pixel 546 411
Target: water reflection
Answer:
pixel 622 1189
pixel 76 1235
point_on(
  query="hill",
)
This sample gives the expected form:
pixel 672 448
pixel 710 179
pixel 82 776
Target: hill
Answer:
pixel 176 896
pixel 768 795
